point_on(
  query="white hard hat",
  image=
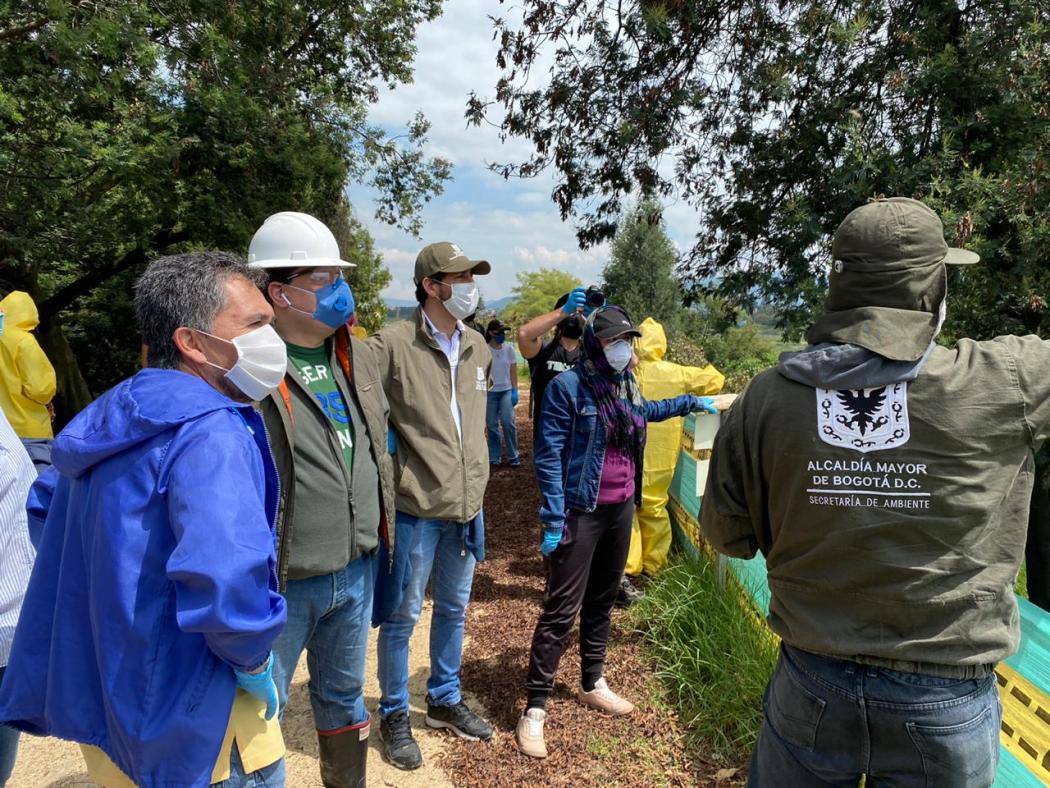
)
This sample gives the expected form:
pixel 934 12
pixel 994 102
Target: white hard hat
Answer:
pixel 294 240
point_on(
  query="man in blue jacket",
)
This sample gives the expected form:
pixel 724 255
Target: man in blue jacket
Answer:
pixel 154 594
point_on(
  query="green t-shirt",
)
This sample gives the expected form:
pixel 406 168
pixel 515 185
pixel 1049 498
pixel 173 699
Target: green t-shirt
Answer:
pixel 315 373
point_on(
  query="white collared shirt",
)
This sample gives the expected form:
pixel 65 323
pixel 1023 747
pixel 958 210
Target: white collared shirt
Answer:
pixel 17 475
pixel 450 347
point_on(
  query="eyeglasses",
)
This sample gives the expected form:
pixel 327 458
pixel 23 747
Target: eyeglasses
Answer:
pixel 317 279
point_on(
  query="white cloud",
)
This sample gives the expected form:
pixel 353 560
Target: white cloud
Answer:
pixel 512 223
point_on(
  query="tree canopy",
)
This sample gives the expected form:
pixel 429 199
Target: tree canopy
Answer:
pixel 130 128
pixel 536 292
pixel 640 275
pixel 775 119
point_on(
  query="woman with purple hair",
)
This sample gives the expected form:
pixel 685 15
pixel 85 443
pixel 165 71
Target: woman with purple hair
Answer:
pixel 589 466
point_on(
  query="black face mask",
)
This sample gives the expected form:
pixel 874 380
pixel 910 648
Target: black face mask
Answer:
pixel 572 327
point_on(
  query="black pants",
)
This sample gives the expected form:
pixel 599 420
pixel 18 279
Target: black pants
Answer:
pixel 583 576
pixel 1037 550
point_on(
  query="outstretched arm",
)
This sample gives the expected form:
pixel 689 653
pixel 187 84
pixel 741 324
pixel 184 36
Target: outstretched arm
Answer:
pixel 531 334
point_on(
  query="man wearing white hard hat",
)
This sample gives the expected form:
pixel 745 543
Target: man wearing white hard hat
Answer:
pixel 327 424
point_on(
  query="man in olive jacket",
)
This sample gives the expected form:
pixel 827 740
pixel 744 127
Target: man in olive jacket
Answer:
pixel 327 426
pixel 435 371
pixel 886 481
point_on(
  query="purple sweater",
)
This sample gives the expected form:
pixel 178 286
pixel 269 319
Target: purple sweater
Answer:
pixel 617 481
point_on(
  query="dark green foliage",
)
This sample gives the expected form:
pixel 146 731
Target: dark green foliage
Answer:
pixel 130 128
pixel 775 119
pixel 370 276
pixel 640 277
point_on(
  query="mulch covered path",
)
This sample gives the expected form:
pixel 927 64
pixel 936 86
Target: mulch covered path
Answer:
pixel 586 747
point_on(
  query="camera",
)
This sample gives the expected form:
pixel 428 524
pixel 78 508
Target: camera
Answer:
pixel 595 298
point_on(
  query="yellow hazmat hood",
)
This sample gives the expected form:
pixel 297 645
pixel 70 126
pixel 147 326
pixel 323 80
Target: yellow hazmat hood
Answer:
pixel 19 311
pixel 652 345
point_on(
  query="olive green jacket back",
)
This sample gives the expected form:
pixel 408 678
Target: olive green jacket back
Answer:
pixel 893 520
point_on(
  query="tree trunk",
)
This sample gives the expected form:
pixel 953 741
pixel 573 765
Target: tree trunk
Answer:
pixel 73 392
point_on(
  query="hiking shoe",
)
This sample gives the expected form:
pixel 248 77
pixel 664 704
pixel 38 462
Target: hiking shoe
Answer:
pixel 400 748
pixel 628 594
pixel 604 699
pixel 515 463
pixel 458 719
pixel 529 733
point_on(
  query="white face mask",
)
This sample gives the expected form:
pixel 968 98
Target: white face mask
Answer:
pixel 262 360
pixel 619 354
pixel 464 300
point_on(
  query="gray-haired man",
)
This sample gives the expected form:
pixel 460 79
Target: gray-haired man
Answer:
pixel 147 628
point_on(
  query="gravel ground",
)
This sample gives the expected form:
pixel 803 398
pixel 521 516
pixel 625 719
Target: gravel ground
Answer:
pixel 586 748
pixel 51 763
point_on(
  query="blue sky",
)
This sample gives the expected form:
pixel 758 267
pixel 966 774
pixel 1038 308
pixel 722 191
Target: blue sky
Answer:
pixel 513 224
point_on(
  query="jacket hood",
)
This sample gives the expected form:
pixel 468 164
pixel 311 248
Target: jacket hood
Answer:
pixel 834 366
pixel 652 345
pixel 134 411
pixel 20 311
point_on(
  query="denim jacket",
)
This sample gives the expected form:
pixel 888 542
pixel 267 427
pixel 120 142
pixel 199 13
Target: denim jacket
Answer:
pixel 570 449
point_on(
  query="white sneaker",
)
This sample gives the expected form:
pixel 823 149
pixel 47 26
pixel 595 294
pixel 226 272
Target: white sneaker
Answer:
pixel 604 699
pixel 529 733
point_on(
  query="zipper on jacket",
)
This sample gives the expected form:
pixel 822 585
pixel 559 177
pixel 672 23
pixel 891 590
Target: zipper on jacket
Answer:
pixel 337 455
pixel 278 544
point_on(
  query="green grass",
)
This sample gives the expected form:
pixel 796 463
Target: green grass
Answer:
pixel 712 656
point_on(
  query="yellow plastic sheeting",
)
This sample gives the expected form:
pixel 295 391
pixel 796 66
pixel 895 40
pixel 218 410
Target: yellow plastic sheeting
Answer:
pixel 660 379
pixel 1026 721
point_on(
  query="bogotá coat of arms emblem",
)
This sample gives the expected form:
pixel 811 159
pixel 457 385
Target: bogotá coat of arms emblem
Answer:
pixel 864 419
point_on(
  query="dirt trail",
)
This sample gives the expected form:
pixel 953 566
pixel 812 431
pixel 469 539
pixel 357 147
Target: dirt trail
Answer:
pixel 51 763
pixel 586 748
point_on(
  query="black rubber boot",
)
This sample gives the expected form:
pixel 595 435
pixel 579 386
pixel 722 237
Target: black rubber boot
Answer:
pixel 344 754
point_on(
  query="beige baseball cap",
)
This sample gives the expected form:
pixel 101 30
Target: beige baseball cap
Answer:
pixel 446 257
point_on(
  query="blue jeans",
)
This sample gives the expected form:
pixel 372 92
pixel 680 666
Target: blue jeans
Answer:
pixel 500 413
pixel 435 547
pixel 271 776
pixel 329 616
pixel 828 721
pixel 8 745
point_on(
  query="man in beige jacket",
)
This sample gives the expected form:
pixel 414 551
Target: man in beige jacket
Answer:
pixel 435 372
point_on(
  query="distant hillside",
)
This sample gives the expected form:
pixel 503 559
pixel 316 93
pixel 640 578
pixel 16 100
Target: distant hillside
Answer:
pixel 396 303
pixel 500 304
pixel 400 305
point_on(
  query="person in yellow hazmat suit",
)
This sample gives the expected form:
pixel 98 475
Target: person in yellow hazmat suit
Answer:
pixel 659 379
pixel 27 379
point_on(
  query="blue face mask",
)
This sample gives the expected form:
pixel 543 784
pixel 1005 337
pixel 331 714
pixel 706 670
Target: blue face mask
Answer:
pixel 500 338
pixel 335 303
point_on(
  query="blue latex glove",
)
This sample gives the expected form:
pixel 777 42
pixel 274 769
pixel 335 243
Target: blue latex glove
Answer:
pixel 551 540
pixel 260 685
pixel 577 300
pixel 514 398
pixel 705 404
pixel 391 441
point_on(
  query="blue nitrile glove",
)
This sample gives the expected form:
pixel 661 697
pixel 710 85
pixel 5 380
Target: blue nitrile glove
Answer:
pixel 551 540
pixel 705 404
pixel 577 300
pixel 514 398
pixel 391 441
pixel 260 685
